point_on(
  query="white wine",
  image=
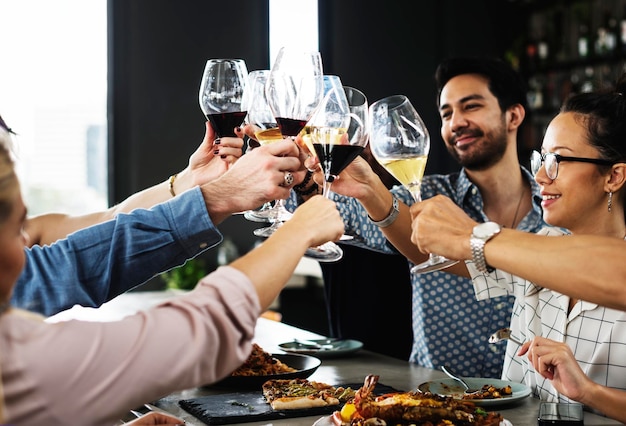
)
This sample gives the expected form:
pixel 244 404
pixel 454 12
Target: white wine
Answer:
pixel 329 135
pixel 305 134
pixel 268 136
pixel 408 171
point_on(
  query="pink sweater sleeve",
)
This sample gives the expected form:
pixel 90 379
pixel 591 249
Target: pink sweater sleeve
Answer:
pixel 79 372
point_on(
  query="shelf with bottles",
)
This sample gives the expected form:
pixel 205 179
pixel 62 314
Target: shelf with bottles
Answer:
pixel 569 47
pixel 547 90
pixel 567 34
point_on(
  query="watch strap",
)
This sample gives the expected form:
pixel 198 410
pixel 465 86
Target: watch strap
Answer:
pixel 478 255
pixel 391 217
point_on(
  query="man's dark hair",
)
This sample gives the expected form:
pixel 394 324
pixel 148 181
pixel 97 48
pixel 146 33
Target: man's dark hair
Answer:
pixel 505 83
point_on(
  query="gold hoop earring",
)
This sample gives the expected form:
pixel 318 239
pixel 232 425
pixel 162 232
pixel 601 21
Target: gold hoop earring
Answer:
pixel 610 203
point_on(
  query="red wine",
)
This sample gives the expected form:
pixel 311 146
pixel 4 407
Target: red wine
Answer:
pixel 224 123
pixel 290 126
pixel 334 158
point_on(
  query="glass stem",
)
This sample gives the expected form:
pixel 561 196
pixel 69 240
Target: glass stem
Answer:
pixel 326 189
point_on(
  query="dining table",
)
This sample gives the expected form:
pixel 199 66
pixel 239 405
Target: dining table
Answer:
pixel 349 368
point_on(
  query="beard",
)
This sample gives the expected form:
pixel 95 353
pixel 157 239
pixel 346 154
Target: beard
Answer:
pixel 488 149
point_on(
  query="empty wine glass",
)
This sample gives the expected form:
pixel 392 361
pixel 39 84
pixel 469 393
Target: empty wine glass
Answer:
pixel 400 143
pixel 358 129
pixel 294 89
pixel 221 92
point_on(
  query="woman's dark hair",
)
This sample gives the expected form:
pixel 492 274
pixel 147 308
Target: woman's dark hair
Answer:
pixel 505 83
pixel 604 115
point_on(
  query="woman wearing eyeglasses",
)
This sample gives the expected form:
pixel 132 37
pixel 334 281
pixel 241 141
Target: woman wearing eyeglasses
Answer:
pixel 575 349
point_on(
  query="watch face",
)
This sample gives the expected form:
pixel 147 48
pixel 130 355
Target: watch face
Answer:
pixel 486 230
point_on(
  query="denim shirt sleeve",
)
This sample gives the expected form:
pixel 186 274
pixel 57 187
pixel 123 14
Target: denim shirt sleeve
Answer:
pixel 95 264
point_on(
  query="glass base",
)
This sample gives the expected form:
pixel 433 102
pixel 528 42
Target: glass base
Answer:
pixel 258 215
pixel 327 252
pixel 434 263
pixel 268 230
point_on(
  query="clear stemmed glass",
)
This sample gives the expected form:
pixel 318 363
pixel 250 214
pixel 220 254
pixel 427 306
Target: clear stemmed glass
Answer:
pixel 328 138
pixel 294 90
pixel 265 131
pixel 221 92
pixel 400 143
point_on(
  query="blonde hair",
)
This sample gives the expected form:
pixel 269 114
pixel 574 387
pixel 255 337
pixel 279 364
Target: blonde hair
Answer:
pixel 8 178
pixel 8 186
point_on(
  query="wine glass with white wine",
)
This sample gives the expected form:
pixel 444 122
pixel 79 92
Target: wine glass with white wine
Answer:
pixel 266 131
pixel 400 143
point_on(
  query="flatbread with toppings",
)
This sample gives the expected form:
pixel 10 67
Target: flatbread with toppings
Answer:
pixel 294 394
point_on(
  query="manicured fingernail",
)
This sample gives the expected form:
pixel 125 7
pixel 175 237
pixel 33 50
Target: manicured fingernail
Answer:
pixel 216 152
pixel 222 156
pixel 217 142
pixel 237 129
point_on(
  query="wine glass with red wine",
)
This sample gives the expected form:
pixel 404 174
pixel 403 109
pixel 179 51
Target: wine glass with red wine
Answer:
pixel 294 89
pixel 338 136
pixel 221 92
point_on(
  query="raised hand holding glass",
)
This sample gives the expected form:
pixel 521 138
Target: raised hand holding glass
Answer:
pixel 294 90
pixel 400 143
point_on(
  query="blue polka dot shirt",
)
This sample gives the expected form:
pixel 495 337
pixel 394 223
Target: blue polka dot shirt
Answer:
pixel 450 326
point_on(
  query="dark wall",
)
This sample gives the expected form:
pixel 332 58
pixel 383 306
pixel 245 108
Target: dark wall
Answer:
pixel 157 52
pixel 158 48
pixel 387 48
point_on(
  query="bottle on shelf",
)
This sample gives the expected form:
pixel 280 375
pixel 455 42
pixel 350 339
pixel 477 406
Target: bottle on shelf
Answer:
pixel 622 30
pixel 606 36
pixel 583 41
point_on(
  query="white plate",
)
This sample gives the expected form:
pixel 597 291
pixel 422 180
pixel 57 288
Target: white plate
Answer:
pixel 326 421
pixel 337 348
pixel 451 387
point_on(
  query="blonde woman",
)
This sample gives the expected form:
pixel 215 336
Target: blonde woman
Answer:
pixel 204 335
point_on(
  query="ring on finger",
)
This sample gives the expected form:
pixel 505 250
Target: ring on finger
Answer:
pixel 287 179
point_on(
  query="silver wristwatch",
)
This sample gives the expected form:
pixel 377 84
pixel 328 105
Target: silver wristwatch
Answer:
pixel 391 217
pixel 482 233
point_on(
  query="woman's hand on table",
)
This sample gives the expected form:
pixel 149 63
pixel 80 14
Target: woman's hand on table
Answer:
pixel 154 418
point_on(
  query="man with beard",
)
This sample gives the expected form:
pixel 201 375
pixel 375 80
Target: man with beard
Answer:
pixel 482 105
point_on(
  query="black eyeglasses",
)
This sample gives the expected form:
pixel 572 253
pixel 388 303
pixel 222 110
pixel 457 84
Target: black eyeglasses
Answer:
pixel 552 161
pixel 5 127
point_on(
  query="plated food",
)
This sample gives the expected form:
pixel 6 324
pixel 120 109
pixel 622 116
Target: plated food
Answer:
pixel 297 394
pixel 411 408
pixel 490 392
pixel 495 392
pixel 261 363
pixel 262 366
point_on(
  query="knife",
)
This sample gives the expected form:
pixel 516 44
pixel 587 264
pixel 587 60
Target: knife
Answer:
pixel 162 411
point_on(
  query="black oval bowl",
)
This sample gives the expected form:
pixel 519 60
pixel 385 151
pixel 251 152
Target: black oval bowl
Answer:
pixel 304 364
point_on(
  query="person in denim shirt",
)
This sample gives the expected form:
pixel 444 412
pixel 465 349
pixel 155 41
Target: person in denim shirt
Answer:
pixel 92 265
pixel 482 105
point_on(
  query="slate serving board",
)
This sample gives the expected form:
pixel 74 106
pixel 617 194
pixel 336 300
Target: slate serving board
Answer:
pixel 241 407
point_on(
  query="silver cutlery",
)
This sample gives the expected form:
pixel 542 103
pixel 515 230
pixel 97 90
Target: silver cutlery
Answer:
pixel 323 344
pixel 458 378
pixel 503 334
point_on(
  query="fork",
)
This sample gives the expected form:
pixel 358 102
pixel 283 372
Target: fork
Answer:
pixel 449 372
